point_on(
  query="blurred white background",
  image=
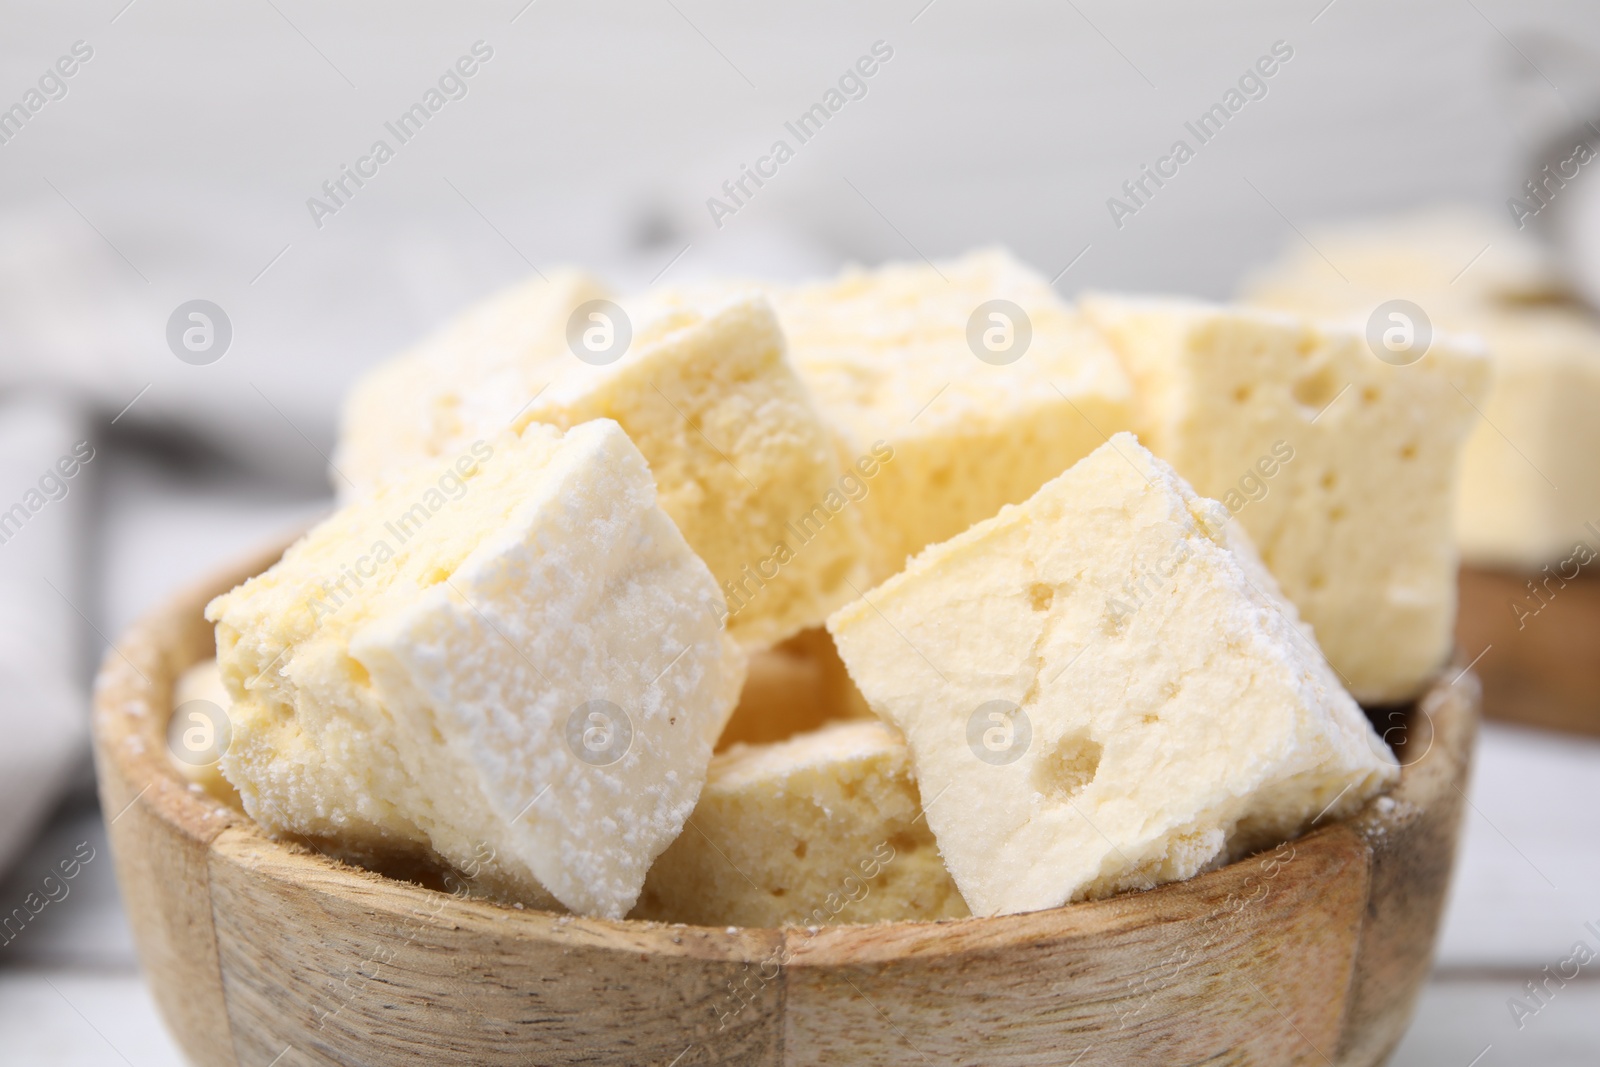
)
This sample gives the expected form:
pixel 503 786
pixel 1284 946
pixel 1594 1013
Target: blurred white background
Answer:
pixel 179 162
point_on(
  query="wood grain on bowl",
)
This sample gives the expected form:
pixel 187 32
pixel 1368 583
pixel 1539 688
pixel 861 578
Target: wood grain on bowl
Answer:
pixel 1539 636
pixel 260 952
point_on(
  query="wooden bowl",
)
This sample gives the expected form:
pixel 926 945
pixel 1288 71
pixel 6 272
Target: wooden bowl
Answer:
pixel 1541 665
pixel 262 953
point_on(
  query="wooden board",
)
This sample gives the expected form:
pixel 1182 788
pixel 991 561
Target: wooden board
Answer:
pixel 1542 667
pixel 260 952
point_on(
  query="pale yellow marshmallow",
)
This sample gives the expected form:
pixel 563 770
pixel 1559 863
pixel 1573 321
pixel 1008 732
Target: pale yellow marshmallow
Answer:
pixel 742 459
pixel 1341 466
pixel 202 682
pixel 947 437
pixel 791 688
pixel 825 827
pixel 462 384
pixel 513 661
pixel 1529 485
pixel 1102 689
